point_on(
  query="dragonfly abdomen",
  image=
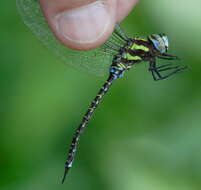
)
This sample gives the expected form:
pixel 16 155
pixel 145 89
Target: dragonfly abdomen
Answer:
pixel 84 122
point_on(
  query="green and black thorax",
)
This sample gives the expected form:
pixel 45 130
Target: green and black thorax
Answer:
pixel 135 50
pixel 139 49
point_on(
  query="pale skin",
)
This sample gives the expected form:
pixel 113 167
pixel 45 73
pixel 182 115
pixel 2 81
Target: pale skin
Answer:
pixel 84 24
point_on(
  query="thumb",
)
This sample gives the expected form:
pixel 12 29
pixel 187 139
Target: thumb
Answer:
pixel 80 24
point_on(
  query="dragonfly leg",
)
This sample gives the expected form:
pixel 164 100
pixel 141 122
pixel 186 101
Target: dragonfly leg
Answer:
pixel 168 57
pixel 155 74
pixel 156 71
pixel 178 69
pixel 162 66
pixel 168 68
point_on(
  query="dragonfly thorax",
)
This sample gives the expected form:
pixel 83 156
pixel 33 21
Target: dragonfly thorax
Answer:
pixel 135 51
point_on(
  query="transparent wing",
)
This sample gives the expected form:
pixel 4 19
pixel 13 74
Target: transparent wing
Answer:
pixel 95 61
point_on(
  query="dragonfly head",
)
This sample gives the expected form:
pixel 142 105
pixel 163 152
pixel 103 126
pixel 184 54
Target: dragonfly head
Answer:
pixel 160 42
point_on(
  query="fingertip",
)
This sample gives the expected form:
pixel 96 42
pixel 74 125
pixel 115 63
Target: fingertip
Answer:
pixel 124 7
pixel 83 27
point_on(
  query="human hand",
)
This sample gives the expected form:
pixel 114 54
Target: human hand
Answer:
pixel 84 24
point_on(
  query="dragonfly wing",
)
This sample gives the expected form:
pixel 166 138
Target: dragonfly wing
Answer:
pixel 96 61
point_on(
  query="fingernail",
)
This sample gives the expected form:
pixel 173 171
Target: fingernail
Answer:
pixel 84 24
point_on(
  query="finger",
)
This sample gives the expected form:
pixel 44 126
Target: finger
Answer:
pixel 80 24
pixel 124 7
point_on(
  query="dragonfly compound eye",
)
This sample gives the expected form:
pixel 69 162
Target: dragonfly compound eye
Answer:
pixel 160 42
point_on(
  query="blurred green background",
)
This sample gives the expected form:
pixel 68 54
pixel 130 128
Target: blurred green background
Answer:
pixel 145 135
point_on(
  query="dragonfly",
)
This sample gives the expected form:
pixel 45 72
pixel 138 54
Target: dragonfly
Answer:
pixel 115 57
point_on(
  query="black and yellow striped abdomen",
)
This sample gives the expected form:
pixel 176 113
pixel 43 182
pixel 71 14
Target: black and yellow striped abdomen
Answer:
pixel 84 122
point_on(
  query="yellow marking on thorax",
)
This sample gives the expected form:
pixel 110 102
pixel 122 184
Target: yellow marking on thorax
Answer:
pixel 135 46
pixel 140 38
pixel 130 57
